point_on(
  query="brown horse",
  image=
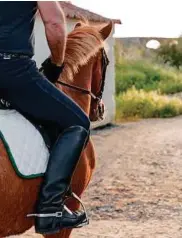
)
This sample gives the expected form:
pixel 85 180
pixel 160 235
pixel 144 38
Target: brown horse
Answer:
pixel 83 69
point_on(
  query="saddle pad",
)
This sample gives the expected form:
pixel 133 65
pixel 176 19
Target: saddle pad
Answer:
pixel 25 145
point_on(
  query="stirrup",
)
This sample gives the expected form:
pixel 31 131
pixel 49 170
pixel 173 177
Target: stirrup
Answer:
pixel 86 221
pixel 71 194
pixel 59 214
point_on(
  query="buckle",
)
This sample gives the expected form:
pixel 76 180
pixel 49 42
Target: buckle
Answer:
pixel 59 214
pixel 5 104
pixel 6 56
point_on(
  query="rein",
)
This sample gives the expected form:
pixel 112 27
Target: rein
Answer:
pixel 82 90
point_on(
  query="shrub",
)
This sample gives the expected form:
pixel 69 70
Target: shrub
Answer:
pixel 141 104
pixel 138 74
pixel 147 76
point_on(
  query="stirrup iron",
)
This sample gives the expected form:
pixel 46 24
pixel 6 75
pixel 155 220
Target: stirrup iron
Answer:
pixel 86 221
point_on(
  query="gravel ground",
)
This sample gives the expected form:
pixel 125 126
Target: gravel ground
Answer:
pixel 136 191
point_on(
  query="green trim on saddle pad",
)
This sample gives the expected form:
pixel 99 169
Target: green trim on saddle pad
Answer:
pixel 32 176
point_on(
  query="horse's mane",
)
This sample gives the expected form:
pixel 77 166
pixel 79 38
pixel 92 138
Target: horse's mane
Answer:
pixel 82 43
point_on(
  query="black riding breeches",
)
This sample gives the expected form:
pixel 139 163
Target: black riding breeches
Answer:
pixel 34 96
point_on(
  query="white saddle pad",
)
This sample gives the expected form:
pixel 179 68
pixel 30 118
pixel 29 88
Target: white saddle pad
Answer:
pixel 25 145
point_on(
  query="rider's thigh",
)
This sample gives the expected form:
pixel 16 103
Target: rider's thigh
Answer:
pixel 31 93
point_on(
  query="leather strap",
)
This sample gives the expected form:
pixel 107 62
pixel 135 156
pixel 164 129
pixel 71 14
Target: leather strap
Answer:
pixel 82 90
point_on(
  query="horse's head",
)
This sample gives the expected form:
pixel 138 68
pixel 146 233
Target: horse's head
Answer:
pixel 85 67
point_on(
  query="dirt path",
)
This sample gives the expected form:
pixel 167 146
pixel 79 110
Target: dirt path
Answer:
pixel 136 191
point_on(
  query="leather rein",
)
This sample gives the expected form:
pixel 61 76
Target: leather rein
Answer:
pixel 82 90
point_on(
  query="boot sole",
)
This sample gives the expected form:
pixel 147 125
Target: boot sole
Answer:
pixel 55 231
pixel 48 232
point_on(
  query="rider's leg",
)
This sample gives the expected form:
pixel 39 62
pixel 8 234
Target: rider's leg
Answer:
pixel 63 160
pixel 33 95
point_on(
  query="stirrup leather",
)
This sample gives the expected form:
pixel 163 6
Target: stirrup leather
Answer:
pixel 59 214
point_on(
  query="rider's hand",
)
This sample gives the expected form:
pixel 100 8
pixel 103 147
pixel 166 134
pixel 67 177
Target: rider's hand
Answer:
pixel 51 70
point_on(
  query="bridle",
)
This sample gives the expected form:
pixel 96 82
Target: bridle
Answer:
pixel 96 97
pixel 105 63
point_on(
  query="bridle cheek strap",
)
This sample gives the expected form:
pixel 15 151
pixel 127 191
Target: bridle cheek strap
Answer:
pixel 97 98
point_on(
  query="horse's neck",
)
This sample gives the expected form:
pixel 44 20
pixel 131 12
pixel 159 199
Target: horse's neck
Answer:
pixel 83 80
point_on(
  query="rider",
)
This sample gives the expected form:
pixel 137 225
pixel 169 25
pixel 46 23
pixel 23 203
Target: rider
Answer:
pixel 34 95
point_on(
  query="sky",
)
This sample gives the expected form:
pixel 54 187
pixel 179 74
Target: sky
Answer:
pixel 147 18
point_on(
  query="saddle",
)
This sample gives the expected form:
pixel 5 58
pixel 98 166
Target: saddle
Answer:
pixel 26 141
pixel 5 105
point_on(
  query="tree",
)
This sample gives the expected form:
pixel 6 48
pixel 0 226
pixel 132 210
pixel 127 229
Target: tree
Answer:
pixel 171 53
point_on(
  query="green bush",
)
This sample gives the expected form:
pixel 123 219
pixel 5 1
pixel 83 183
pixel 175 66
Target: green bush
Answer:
pixel 147 76
pixel 140 104
pixel 170 87
pixel 129 79
pixel 135 74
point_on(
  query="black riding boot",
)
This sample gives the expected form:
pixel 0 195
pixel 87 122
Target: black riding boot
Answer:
pixel 52 215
